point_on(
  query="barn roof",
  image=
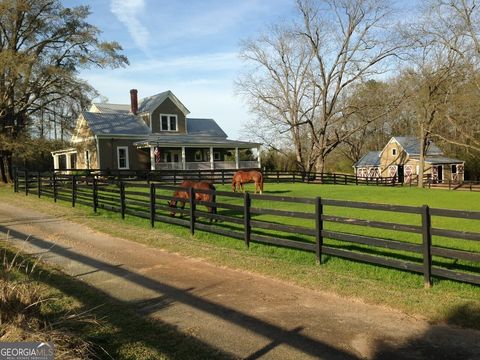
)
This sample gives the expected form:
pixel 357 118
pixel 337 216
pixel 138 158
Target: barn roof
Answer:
pixel 441 160
pixel 371 158
pixel 412 146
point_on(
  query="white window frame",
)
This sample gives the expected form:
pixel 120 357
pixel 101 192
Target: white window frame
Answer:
pixel 216 156
pixel 394 152
pixel 127 162
pixel 456 169
pixel 168 122
pixel 199 158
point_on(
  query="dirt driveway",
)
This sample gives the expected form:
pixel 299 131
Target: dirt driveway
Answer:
pixel 242 314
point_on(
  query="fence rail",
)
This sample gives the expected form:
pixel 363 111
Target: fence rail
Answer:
pixel 325 227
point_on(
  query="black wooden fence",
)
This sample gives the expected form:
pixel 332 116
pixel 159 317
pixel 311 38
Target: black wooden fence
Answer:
pixel 267 219
pixel 224 176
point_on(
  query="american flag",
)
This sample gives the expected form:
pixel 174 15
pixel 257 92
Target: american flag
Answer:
pixel 156 153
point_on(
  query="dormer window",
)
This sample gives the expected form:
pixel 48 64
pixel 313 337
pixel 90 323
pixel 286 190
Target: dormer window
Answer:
pixel 168 122
pixel 394 152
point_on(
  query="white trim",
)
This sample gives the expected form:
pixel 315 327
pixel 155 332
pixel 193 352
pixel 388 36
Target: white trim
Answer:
pixel 168 122
pixel 98 152
pixel 212 166
pixel 237 158
pixel 184 161
pixel 152 158
pixel 127 163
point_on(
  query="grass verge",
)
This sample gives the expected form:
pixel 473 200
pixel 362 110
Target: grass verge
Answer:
pixel 38 303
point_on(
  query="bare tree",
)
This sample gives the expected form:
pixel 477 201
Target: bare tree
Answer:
pixel 301 78
pixel 278 88
pixel 350 41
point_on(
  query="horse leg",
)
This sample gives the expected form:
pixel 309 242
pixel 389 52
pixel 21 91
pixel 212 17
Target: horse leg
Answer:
pixel 182 207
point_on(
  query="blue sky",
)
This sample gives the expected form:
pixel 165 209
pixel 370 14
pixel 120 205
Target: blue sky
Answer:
pixel 189 47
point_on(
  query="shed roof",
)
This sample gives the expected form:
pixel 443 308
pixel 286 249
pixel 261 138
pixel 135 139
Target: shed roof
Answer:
pixel 372 158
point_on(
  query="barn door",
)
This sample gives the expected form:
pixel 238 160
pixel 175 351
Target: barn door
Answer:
pixel 400 173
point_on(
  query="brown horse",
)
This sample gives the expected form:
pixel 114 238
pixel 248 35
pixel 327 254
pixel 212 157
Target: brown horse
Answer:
pixel 185 194
pixel 242 177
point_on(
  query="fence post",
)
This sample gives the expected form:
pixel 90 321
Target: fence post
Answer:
pixel 74 190
pixel 334 179
pixel 345 179
pixel 26 182
pixel 122 199
pixel 318 229
pixel 95 195
pixel 449 184
pixel 356 179
pixel 427 245
pixel 15 176
pixel 191 195
pixel 293 177
pixel 152 205
pixel 246 218
pixel 199 175
pixel 39 184
pixel 278 176
pixel 174 178
pixel 223 177
pixel 54 179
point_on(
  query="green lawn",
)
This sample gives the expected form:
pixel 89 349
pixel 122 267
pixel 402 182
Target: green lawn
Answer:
pixel 445 301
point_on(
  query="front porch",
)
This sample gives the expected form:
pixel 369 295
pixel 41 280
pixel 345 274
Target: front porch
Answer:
pixel 203 158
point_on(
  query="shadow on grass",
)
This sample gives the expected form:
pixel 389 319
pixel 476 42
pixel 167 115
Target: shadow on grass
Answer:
pixel 161 336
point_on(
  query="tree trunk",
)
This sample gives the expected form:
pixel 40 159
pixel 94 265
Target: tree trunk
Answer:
pixel 3 172
pixel 320 164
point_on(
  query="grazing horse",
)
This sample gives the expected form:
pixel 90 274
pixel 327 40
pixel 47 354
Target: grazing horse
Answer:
pixel 185 194
pixel 242 177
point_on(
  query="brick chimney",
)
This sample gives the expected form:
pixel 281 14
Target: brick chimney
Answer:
pixel 133 101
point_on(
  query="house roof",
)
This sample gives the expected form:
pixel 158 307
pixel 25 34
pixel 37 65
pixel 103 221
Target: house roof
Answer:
pixel 112 108
pixel 193 141
pixel 371 158
pixel 116 123
pixel 150 103
pixel 412 146
pixel 204 127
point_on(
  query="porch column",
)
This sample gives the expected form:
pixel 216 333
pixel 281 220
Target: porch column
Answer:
pixel 55 162
pixel 258 158
pixel 69 163
pixel 212 165
pixel 184 163
pixel 152 158
pixel 237 158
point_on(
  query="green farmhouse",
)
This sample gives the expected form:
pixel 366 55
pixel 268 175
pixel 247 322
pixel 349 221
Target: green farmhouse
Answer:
pixel 153 133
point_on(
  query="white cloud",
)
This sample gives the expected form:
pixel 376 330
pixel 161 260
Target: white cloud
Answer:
pixel 128 12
